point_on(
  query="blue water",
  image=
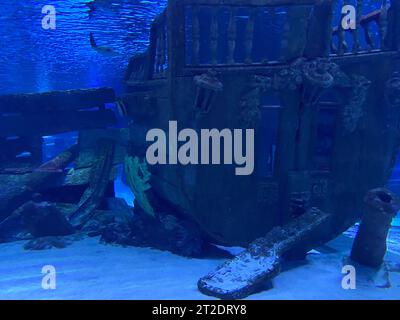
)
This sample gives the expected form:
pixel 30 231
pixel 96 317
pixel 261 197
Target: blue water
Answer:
pixel 33 59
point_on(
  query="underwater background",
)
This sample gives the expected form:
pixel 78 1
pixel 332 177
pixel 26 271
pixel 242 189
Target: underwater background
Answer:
pixel 36 60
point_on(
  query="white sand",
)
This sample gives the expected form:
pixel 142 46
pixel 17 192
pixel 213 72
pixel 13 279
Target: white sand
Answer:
pixel 89 270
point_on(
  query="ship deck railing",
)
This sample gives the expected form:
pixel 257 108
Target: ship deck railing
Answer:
pixel 179 38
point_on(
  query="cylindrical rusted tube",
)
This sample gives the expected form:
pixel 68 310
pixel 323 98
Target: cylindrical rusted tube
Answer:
pixel 369 247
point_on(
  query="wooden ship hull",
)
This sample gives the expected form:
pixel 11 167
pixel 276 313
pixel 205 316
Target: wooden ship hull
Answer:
pixel 77 180
pixel 325 110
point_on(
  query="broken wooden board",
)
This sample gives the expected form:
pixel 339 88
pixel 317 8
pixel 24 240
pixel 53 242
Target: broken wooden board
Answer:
pixel 99 179
pixel 55 122
pixel 14 228
pixel 56 100
pixel 80 177
pixel 88 140
pixel 19 189
pixel 253 268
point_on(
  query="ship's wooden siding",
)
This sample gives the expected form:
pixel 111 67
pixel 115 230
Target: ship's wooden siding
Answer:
pixel 361 159
pixel 26 118
pixel 55 112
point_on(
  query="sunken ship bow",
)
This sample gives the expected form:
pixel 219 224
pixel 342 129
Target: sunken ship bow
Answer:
pixel 323 101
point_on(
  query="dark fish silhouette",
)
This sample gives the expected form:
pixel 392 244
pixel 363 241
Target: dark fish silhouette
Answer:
pixel 100 49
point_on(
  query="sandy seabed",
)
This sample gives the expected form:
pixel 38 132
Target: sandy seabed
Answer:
pixel 89 270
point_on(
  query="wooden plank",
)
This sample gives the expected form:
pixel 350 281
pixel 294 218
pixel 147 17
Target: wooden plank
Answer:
pixel 55 122
pixel 231 36
pixel 88 138
pixel 140 105
pixel 392 41
pixel 99 179
pixel 176 39
pixel 56 100
pixel 294 38
pixel 81 177
pixel 319 35
pixel 18 189
pixel 252 268
pixel 88 141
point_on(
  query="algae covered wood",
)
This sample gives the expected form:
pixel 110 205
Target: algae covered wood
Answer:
pixel 369 247
pixel 17 191
pixel 329 112
pixel 56 100
pixel 251 269
pixel 99 179
pixel 55 122
pixel 138 177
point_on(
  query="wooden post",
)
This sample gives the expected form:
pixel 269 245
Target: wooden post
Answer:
pixel 195 35
pixel 383 24
pixel 243 275
pixel 341 34
pixel 176 38
pixel 393 42
pixel 163 46
pixel 369 247
pixel 231 35
pixel 396 12
pixel 248 42
pixel 214 35
pixel 319 37
pixel 356 40
pixel 368 38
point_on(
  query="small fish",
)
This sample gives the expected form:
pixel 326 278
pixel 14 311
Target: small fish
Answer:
pixel 100 49
pixel 25 154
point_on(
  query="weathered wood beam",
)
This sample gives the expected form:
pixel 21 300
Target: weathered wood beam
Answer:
pixel 392 41
pixel 356 40
pixel 195 35
pixel 294 40
pixel 214 35
pixel 99 179
pixel 231 35
pixel 254 267
pixel 88 142
pixel 249 35
pixel 19 190
pixel 56 100
pixel 81 177
pixel 55 122
pixel 383 24
pixel 395 4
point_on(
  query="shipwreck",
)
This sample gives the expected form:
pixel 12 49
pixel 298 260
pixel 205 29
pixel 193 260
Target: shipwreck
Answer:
pixel 324 105
pixel 323 102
